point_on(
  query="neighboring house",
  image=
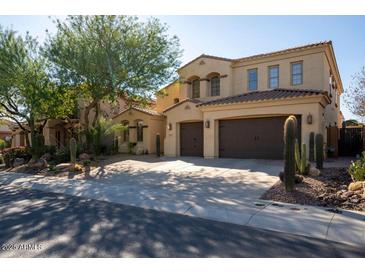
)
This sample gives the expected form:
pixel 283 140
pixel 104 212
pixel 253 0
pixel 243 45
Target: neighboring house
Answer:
pixel 57 132
pixel 236 108
pixel 5 130
pixel 143 126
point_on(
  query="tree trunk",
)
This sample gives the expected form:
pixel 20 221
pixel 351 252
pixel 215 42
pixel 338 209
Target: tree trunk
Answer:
pixel 86 124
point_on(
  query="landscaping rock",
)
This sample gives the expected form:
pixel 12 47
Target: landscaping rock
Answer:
pixel 314 171
pixel 357 186
pixel 84 157
pixel 47 157
pixel 298 178
pixel 347 194
pixel 40 163
pixel 18 162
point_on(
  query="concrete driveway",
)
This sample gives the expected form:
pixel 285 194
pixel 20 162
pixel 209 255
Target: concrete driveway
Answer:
pixel 188 185
pixel 191 178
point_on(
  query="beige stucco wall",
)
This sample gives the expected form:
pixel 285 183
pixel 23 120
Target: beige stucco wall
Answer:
pixel 185 112
pixel 303 107
pixel 155 125
pixel 201 68
pixel 313 77
pixel 170 92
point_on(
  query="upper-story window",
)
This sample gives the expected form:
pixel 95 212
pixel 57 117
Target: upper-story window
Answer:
pixel 273 77
pixel 297 73
pixel 252 79
pixel 215 83
pixel 195 86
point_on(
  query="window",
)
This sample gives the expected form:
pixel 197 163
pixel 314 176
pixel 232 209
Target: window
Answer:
pixel 215 86
pixel 176 100
pixel 126 132
pixel 297 73
pixel 274 77
pixel 196 88
pixel 139 131
pixel 252 79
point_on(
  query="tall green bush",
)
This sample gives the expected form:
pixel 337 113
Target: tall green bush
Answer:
pixel 289 153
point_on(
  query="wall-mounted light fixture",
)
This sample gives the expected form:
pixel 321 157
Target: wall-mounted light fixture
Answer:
pixel 169 126
pixel 309 119
pixel 207 124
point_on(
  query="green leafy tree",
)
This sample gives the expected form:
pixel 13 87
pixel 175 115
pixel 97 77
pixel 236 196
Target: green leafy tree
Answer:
pixel 355 94
pixel 106 57
pixel 28 95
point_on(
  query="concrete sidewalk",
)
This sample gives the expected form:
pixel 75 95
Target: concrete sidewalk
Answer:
pixel 347 227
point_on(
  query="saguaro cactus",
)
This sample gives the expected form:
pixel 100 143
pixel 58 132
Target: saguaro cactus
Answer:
pixel 158 145
pixel 311 147
pixel 301 158
pixel 73 148
pixel 319 151
pixel 289 153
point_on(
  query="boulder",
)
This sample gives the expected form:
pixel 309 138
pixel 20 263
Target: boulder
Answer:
pixel 47 157
pixel 298 178
pixel 357 185
pixel 314 171
pixel 18 162
pixel 84 157
pixel 40 163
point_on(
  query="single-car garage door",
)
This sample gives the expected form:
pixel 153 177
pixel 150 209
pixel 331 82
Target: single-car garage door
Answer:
pixel 255 138
pixel 191 139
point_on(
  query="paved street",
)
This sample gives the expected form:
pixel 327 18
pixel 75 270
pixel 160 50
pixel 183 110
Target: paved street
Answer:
pixel 58 225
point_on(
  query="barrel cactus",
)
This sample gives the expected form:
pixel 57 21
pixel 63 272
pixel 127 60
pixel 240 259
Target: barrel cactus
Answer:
pixel 311 147
pixel 319 151
pixel 73 149
pixel 158 145
pixel 289 153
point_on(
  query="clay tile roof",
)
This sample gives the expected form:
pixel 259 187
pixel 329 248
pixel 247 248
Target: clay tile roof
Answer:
pixel 274 94
pixel 308 46
pixel 195 101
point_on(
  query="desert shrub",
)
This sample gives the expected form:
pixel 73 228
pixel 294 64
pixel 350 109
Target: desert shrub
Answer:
pixel 51 149
pixel 62 155
pixel 86 162
pixel 357 169
pixel 10 154
pixel 2 144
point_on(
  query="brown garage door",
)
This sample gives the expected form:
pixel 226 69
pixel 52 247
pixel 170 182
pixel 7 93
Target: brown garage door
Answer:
pixel 191 139
pixel 257 138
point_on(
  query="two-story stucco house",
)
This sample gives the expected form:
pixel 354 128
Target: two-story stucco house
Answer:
pixel 236 108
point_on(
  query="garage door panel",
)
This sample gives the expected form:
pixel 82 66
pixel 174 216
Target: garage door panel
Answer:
pixel 257 138
pixel 191 139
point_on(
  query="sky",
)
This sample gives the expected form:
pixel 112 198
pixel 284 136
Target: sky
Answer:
pixel 239 36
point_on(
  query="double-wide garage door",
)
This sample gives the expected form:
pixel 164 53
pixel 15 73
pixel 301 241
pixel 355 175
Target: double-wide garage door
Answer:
pixel 256 138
